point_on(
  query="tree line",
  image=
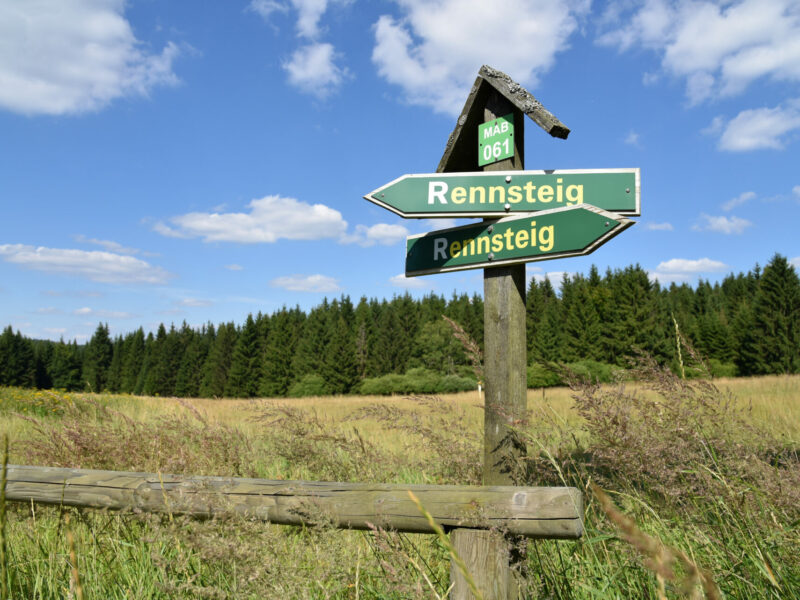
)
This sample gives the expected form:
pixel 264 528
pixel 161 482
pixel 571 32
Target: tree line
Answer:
pixel 747 324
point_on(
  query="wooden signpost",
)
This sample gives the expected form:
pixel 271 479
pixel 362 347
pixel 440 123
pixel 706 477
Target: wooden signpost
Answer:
pixel 548 214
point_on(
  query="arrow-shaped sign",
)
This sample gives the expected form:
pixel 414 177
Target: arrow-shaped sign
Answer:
pixel 497 193
pixel 571 231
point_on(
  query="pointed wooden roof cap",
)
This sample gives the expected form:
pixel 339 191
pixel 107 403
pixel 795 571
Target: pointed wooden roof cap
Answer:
pixel 460 154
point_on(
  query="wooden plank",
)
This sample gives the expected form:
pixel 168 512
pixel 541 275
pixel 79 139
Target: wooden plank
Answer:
pixel 539 512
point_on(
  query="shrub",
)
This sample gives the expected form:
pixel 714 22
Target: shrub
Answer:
pixel 310 384
pixel 417 381
pixel 540 375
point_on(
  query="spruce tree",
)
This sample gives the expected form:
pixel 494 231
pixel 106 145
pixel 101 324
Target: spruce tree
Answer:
pixel 774 346
pixel 132 361
pixel 65 367
pixel 340 364
pixel 218 362
pixel 190 372
pixel 97 359
pixel 247 363
pixel 281 346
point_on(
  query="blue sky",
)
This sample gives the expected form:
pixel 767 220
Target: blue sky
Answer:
pixel 170 161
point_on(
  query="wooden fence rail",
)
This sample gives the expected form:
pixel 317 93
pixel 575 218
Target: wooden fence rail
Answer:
pixel 537 512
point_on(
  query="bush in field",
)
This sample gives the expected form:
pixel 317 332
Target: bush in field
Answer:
pixel 542 375
pixel 417 381
pixel 310 384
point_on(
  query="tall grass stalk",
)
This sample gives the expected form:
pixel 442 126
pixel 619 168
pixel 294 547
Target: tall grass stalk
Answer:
pixel 3 554
pixel 454 556
pixel 74 576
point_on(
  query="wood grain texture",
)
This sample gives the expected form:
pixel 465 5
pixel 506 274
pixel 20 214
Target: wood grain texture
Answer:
pixel 539 512
pixel 504 331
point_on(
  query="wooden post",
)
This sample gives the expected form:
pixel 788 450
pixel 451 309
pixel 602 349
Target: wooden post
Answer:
pixel 489 556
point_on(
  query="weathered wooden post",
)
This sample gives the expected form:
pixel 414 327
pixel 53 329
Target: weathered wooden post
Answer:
pixel 530 215
pixel 489 555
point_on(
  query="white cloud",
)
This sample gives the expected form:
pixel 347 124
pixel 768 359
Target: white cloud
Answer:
pixel 195 302
pixel 265 8
pixel 105 267
pixel 382 233
pixel 680 270
pixel 72 56
pixel 659 226
pixel 270 219
pixel 402 281
pixel 438 223
pixel 796 191
pixel 309 13
pixel 722 224
pixel 434 50
pixel 691 267
pixel 107 244
pixel 738 200
pixel 796 262
pixel 759 128
pixel 720 48
pixel 312 69
pixel 632 139
pixel 307 283
pixel 234 267
pixel 103 314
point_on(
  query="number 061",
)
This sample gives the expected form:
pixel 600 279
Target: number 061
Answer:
pixel 496 150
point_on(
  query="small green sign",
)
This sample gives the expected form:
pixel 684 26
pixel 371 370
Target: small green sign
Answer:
pixel 571 231
pixel 496 140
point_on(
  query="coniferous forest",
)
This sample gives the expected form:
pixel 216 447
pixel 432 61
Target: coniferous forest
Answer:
pixel 747 324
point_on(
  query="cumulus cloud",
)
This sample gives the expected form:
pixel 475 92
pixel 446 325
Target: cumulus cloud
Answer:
pixel 269 219
pixel 759 128
pixel 105 267
pixel 109 245
pixel 659 226
pixel 718 48
pixel 72 56
pixel 796 191
pixel 307 283
pixel 313 70
pixel 195 302
pixel 738 200
pixel 682 269
pixel 722 224
pixel 382 233
pixel 102 314
pixel 408 283
pixel 795 262
pixel 266 8
pixel 434 49
pixel 632 139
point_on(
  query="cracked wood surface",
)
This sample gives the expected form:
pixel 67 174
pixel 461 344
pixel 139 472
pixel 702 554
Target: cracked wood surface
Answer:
pixel 539 512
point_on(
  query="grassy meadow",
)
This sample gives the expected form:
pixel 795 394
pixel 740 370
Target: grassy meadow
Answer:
pixel 701 492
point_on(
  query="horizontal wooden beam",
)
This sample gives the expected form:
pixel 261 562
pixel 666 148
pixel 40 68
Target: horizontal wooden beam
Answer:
pixel 538 512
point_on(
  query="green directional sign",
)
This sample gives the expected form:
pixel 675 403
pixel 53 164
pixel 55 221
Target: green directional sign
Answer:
pixel 497 193
pixel 496 140
pixel 571 231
